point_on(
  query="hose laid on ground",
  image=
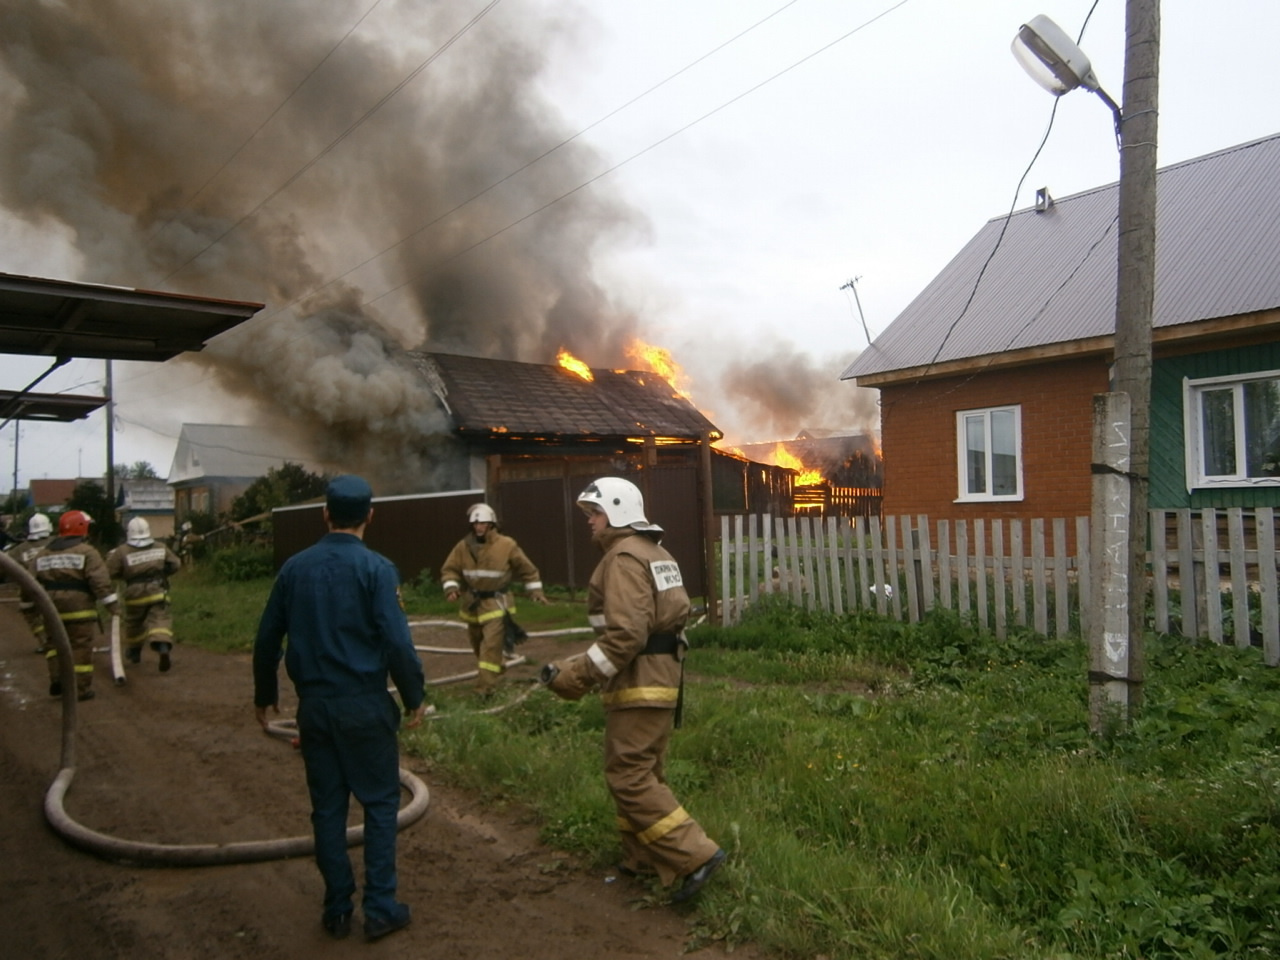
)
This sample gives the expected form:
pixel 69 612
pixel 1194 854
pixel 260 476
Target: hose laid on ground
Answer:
pixel 184 855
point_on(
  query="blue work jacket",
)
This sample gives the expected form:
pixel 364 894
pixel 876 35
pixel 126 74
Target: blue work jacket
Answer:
pixel 339 604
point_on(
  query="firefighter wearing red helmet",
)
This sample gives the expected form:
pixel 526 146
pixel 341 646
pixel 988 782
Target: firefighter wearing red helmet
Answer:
pixel 637 603
pixel 145 566
pixel 478 574
pixel 74 575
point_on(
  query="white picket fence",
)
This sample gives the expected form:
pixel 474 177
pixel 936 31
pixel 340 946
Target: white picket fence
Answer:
pixel 1006 572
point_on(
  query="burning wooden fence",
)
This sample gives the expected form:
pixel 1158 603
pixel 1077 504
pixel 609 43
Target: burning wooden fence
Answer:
pixel 1007 573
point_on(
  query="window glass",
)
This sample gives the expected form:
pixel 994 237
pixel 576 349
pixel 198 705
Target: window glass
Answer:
pixel 1004 453
pixel 1262 428
pixel 976 456
pixel 1218 428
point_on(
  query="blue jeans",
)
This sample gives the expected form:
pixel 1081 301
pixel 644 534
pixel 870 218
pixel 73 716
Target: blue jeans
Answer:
pixel 349 747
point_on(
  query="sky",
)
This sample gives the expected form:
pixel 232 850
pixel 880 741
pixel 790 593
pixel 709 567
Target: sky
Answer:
pixel 730 165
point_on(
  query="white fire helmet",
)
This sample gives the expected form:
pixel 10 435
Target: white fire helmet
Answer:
pixel 39 527
pixel 621 501
pixel 138 533
pixel 481 513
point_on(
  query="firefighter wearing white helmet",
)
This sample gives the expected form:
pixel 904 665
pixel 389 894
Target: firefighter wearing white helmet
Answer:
pixel 478 574
pixel 72 573
pixel 39 533
pixel 145 566
pixel 637 603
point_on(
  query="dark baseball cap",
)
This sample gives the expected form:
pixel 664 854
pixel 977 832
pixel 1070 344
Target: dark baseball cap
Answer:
pixel 348 498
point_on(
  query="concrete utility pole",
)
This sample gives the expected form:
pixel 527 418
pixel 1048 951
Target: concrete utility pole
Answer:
pixel 1135 295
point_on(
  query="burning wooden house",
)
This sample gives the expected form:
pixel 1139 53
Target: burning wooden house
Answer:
pixel 834 475
pixel 533 435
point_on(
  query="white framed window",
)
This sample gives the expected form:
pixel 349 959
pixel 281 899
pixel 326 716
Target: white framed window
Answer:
pixel 1233 430
pixel 989 453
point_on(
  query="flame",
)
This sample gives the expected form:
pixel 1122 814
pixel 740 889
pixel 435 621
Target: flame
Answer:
pixel 575 366
pixel 658 360
pixel 783 457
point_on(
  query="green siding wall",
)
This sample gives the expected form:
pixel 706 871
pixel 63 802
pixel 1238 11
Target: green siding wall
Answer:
pixel 1168 443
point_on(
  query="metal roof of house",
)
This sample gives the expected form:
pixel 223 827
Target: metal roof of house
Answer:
pixel 1047 280
pixel 59 318
pixel 506 397
pixel 224 450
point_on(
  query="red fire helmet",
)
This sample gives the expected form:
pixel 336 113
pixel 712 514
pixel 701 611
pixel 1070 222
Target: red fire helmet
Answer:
pixel 74 523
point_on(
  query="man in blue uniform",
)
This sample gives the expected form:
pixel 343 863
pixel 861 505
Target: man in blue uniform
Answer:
pixel 339 604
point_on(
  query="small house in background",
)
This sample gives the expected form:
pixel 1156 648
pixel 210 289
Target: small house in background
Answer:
pixel 151 499
pixel 53 494
pixel 987 378
pixel 215 463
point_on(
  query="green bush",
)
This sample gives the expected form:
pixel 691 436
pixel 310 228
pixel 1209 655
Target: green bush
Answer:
pixel 243 563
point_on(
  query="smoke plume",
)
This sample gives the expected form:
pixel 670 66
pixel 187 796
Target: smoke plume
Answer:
pixel 352 172
pixel 783 391
pixel 238 150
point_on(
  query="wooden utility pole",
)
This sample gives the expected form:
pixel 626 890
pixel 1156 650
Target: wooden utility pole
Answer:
pixel 1135 295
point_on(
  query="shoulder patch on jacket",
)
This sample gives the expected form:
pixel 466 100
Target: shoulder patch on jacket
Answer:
pixel 666 574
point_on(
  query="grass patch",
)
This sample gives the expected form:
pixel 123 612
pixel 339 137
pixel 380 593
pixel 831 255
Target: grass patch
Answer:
pixel 901 791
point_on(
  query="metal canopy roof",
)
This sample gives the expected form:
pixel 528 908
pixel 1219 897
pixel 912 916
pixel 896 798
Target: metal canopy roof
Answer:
pixel 63 407
pixel 58 318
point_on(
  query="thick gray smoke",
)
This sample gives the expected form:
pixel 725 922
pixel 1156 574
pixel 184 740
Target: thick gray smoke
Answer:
pixel 783 391
pixel 238 149
pixel 221 149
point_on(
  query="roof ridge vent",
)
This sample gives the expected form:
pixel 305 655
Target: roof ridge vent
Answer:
pixel 1043 200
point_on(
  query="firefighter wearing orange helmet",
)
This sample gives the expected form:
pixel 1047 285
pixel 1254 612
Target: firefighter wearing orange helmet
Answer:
pixel 74 575
pixel 478 574
pixel 637 603
pixel 145 566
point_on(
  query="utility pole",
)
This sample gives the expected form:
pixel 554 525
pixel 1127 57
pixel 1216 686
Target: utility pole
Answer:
pixel 852 284
pixel 1116 661
pixel 111 444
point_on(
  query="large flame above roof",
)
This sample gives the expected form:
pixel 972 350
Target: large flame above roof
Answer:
pixel 659 360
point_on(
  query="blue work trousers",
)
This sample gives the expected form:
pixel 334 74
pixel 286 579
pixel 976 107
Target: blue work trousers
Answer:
pixel 349 747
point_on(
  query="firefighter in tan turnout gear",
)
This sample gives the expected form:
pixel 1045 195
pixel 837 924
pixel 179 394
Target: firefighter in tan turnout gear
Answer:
pixel 637 603
pixel 478 574
pixel 145 566
pixel 74 575
pixel 39 533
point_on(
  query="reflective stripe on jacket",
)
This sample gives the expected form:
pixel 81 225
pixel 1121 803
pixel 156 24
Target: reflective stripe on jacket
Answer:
pixel 75 577
pixel 145 572
pixel 482 572
pixel 636 591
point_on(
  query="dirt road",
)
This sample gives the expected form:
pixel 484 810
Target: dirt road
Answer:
pixel 177 758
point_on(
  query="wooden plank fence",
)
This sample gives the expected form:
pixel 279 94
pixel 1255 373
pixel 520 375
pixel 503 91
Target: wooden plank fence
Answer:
pixel 1008 573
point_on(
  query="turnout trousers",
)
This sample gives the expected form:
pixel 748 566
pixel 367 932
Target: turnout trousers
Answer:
pixel 486 641
pixel 657 832
pixel 349 748
pixel 82 634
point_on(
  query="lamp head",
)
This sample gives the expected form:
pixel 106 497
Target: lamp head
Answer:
pixel 1051 58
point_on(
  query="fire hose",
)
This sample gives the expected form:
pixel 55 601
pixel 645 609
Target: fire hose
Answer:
pixel 184 855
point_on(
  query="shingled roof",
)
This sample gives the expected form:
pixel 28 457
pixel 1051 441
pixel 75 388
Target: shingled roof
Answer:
pixel 507 397
pixel 1042 283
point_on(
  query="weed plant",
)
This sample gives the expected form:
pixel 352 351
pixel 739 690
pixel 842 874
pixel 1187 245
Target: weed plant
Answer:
pixel 892 791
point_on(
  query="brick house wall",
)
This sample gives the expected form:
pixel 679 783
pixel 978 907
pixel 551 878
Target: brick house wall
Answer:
pixel 918 423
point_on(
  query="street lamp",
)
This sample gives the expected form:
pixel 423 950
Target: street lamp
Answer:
pixel 1121 418
pixel 1053 60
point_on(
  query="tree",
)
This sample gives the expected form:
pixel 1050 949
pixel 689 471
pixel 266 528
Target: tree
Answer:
pixel 91 497
pixel 281 487
pixel 138 470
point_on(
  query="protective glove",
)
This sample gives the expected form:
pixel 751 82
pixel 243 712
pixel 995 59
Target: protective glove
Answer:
pixel 568 679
